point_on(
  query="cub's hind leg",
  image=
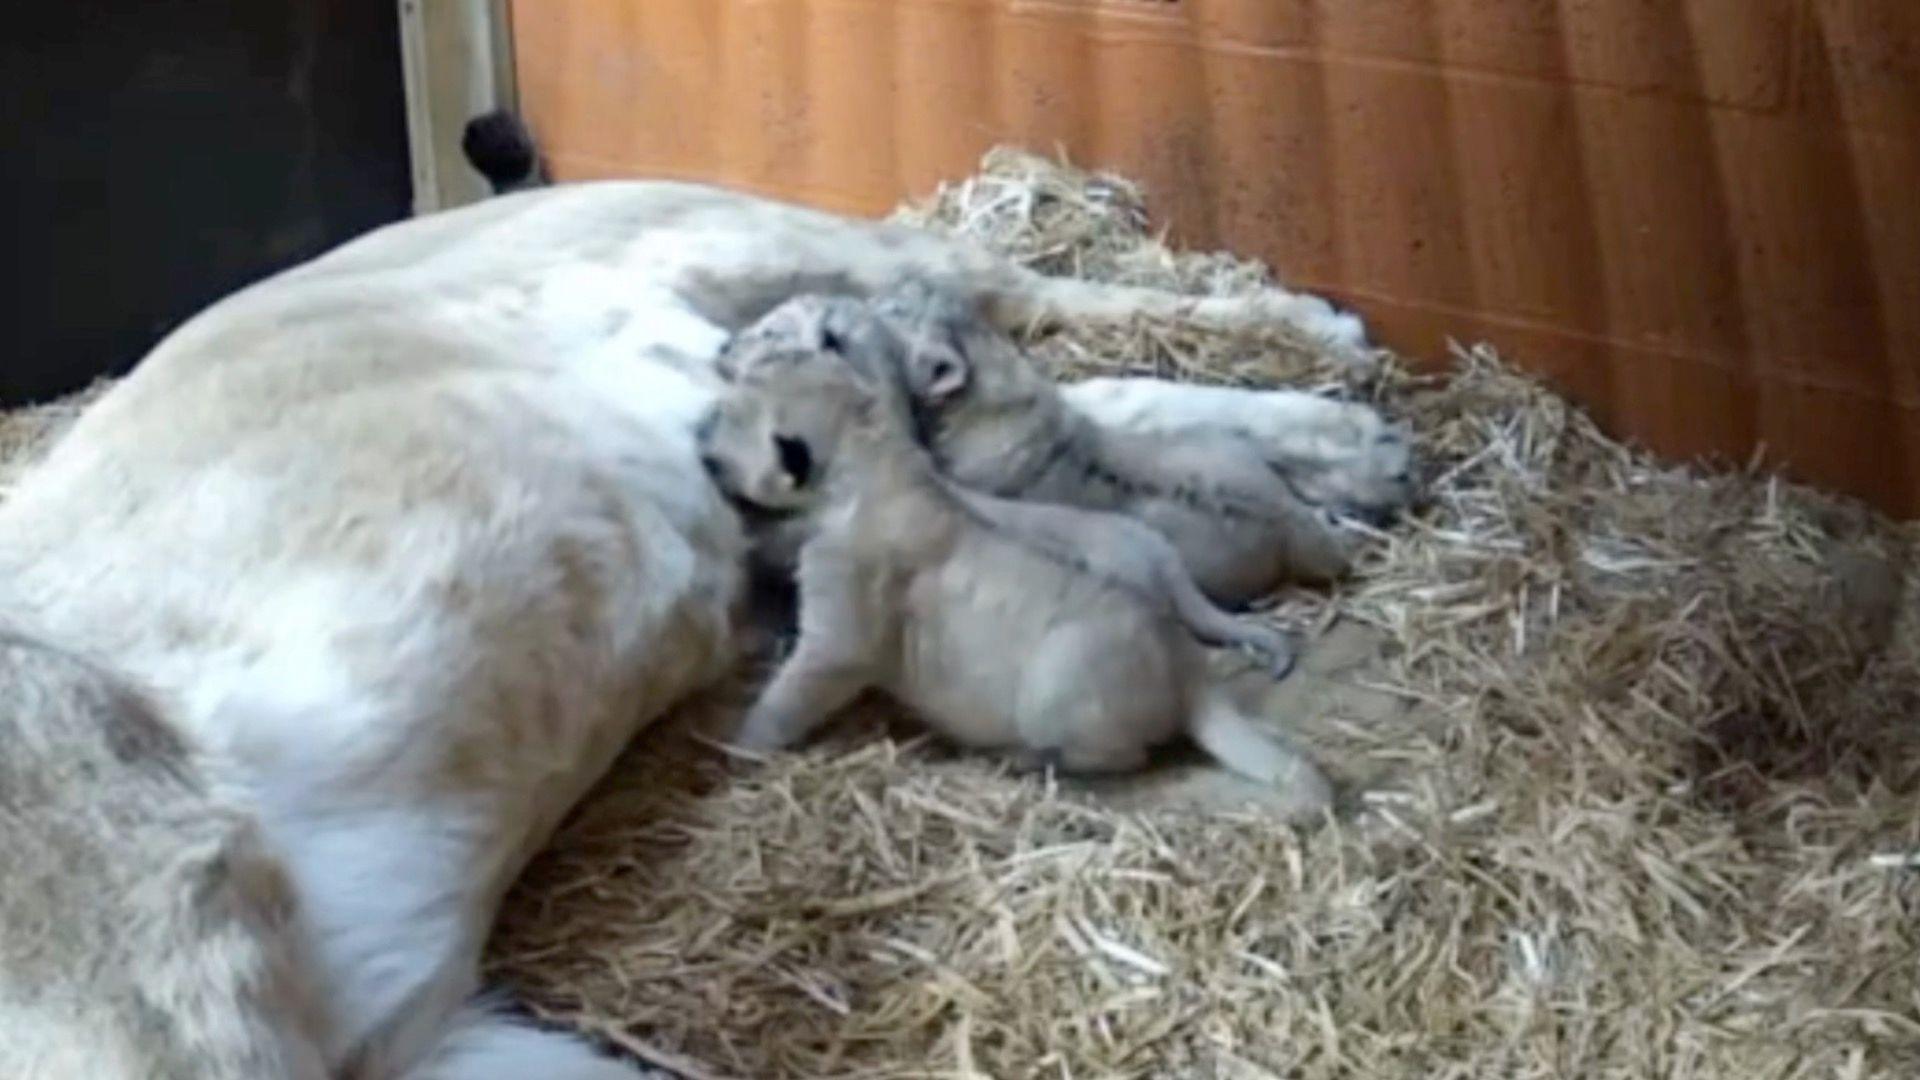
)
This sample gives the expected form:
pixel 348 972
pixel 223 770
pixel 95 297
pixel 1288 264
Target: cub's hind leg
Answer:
pixel 1091 704
pixel 830 665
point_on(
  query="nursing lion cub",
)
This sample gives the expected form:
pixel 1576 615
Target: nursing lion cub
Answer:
pixel 1070 637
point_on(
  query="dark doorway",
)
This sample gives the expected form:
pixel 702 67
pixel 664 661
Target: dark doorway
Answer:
pixel 163 153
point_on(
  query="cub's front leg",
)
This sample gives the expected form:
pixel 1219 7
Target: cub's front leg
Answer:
pixel 831 664
pixel 811 685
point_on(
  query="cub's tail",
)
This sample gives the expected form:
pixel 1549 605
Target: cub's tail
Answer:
pixel 501 148
pixel 1230 737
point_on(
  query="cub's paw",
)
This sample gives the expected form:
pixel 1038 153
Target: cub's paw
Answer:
pixel 764 732
pixel 1271 649
pixel 1307 794
pixel 1028 761
pixel 1315 317
pixel 1365 468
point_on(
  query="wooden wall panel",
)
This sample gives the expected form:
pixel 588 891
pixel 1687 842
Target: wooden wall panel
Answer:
pixel 1701 217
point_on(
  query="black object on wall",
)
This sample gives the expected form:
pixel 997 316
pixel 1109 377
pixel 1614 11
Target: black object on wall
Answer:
pixel 163 153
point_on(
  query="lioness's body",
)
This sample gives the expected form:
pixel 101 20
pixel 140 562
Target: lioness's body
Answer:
pixel 403 545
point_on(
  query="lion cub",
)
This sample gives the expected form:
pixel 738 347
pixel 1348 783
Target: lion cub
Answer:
pixel 996 424
pixel 1069 636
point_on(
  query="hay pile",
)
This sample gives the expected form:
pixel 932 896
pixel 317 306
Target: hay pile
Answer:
pixel 1643 803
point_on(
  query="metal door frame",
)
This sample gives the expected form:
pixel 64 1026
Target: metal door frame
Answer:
pixel 457 62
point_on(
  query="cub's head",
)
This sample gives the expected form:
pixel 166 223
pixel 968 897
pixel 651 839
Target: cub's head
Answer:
pixel 802 380
pixel 839 327
pixel 903 339
pixel 951 354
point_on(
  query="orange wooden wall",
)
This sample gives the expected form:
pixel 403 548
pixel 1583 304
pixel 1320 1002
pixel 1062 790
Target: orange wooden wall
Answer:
pixel 1701 217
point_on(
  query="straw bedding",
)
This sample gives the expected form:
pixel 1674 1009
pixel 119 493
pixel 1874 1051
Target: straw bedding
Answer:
pixel 1630 762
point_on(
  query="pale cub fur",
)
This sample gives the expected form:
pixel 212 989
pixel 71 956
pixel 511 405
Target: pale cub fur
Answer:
pixel 1066 635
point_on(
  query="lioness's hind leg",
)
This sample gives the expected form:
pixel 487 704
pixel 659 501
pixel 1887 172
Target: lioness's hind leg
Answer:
pixel 872 258
pixel 1017 299
pixel 795 252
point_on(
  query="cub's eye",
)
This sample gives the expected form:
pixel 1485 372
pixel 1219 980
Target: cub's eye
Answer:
pixel 795 458
pixel 831 341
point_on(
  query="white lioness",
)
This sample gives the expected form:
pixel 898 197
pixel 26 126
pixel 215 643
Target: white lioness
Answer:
pixel 996 424
pixel 1069 636
pixel 398 547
